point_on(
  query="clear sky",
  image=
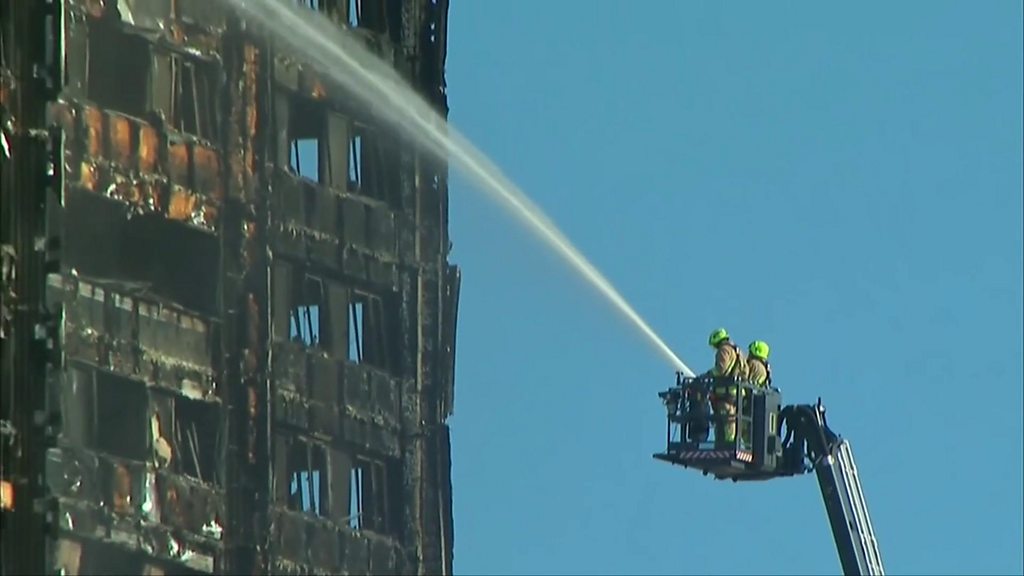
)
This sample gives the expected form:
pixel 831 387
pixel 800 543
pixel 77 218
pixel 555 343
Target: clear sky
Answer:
pixel 843 181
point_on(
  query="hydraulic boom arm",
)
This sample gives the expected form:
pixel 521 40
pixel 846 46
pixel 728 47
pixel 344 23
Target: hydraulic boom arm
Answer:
pixel 832 460
pixel 757 454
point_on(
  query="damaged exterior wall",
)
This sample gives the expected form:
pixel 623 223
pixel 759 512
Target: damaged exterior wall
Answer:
pixel 228 317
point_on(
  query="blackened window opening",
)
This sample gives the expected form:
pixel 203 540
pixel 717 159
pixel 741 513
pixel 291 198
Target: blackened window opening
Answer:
pixel 307 323
pixel 197 438
pixel 121 416
pixel 355 163
pixel 118 68
pixel 308 480
pixel 373 501
pixel 354 8
pixel 309 149
pixel 367 333
pixel 195 98
pixel 373 15
pixel 304 158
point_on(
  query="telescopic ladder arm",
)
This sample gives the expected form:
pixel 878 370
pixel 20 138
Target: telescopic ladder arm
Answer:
pixel 832 460
pixel 848 513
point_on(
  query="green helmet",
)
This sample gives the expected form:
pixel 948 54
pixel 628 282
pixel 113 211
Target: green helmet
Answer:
pixel 717 337
pixel 758 349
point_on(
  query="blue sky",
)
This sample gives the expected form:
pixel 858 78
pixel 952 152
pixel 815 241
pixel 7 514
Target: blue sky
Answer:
pixel 841 181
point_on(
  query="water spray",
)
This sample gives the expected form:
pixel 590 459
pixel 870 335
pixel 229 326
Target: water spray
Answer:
pixel 341 57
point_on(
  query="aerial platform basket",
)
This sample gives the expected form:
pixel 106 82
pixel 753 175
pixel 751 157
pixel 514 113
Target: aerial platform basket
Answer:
pixel 697 421
pixel 696 426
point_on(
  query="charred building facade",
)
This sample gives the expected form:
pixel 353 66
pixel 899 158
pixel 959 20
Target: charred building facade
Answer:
pixel 228 316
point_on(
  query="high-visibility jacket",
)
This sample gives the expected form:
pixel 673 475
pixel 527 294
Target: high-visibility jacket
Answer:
pixel 729 361
pixel 759 372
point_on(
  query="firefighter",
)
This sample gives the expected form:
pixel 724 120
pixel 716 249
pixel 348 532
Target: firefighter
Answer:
pixel 729 363
pixel 759 373
pixel 729 360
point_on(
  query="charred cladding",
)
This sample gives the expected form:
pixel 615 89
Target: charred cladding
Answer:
pixel 227 316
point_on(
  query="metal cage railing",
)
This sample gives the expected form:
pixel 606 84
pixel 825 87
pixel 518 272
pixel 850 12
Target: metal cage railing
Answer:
pixel 698 423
